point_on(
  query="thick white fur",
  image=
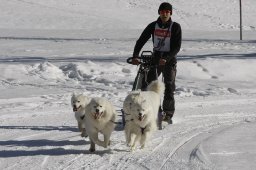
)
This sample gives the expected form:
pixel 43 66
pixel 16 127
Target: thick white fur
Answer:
pixel 141 109
pixel 100 118
pixel 78 103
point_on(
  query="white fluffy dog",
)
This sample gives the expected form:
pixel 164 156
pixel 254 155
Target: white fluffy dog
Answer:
pixel 100 118
pixel 78 103
pixel 141 108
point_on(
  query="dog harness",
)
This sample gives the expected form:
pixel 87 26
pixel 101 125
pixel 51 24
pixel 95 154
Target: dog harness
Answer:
pixel 82 117
pixel 142 129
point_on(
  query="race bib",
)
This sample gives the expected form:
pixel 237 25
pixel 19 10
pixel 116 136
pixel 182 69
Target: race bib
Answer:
pixel 162 37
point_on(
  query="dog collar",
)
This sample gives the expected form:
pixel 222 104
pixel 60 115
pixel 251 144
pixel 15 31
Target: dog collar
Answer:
pixel 82 117
pixel 142 129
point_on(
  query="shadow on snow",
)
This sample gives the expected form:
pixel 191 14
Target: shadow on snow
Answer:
pixel 50 152
pixel 218 56
pixel 43 128
pixel 59 145
pixel 27 59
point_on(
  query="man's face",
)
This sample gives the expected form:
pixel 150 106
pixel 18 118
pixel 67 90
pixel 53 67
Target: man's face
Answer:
pixel 165 15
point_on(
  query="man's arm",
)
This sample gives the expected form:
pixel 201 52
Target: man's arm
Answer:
pixel 175 43
pixel 144 37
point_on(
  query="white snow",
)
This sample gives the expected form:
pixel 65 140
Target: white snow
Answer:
pixel 52 48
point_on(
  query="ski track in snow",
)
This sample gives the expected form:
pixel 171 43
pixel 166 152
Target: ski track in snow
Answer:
pixel 119 156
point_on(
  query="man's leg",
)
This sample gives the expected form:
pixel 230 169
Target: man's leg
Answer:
pixel 169 101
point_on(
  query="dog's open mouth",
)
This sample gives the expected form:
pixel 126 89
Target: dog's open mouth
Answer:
pixel 97 115
pixel 75 109
pixel 141 117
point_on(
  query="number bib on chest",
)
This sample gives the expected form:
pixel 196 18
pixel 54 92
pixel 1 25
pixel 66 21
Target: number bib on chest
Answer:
pixel 162 37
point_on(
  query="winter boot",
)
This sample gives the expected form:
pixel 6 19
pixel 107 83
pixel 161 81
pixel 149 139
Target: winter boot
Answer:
pixel 167 116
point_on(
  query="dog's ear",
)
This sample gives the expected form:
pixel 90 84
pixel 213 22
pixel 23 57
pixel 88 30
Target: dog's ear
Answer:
pixel 73 94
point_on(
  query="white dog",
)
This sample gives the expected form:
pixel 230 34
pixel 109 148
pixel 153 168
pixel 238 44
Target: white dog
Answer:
pixel 141 108
pixel 100 118
pixel 78 103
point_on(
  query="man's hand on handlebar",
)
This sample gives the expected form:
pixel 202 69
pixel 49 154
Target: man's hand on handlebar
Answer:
pixel 145 59
pixel 135 61
pixel 162 62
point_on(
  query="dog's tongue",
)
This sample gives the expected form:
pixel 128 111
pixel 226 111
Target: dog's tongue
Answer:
pixel 96 115
pixel 140 118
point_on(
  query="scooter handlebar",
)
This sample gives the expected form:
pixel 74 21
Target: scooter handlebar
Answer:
pixel 145 57
pixel 129 60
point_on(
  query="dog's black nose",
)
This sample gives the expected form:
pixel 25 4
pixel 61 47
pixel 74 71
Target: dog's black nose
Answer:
pixel 140 114
pixel 74 106
pixel 97 110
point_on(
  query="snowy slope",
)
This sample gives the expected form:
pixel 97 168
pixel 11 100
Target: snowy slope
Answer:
pixel 122 14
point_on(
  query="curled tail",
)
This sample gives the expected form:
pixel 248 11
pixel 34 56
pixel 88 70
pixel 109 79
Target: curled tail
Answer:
pixel 156 86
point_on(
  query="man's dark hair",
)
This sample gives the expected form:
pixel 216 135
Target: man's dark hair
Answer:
pixel 165 6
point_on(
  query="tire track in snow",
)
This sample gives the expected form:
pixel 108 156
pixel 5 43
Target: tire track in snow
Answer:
pixel 179 138
pixel 44 163
pixel 186 140
pixel 203 132
pixel 67 165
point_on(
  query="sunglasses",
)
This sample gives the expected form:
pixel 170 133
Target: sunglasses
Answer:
pixel 165 11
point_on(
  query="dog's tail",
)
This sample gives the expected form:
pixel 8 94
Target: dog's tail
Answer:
pixel 156 86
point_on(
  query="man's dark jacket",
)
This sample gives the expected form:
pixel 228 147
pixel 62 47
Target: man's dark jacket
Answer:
pixel 175 42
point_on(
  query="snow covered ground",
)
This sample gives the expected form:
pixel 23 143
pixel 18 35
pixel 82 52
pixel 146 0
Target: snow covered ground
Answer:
pixel 52 48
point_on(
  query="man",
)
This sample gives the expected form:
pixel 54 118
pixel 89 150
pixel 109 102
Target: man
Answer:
pixel 166 36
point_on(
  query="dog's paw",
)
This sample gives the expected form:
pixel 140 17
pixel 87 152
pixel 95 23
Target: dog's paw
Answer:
pixel 132 148
pixel 106 145
pixel 92 149
pixel 84 135
pixel 129 144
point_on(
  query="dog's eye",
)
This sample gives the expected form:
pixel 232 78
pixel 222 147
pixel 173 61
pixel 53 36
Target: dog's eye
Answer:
pixel 100 106
pixel 78 101
pixel 95 106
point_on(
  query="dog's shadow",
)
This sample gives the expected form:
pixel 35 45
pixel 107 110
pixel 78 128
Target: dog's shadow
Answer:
pixel 57 150
pixel 57 147
pixel 43 128
pixel 119 127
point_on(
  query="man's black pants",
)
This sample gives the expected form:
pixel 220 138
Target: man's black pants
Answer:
pixel 169 74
